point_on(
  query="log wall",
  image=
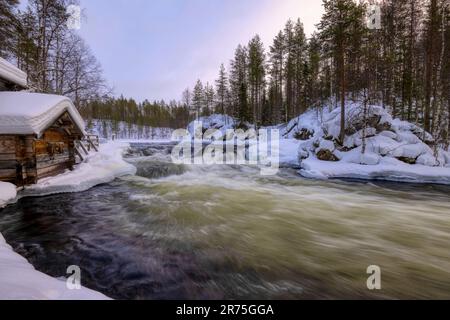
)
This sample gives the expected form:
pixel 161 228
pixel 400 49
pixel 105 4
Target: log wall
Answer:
pixel 26 159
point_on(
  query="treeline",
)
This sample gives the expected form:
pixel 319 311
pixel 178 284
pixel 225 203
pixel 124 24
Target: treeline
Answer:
pixel 56 59
pixel 399 59
pixel 151 114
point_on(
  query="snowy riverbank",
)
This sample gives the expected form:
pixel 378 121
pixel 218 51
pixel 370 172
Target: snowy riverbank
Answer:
pixel 390 170
pixel 8 193
pixel 18 278
pixel 378 148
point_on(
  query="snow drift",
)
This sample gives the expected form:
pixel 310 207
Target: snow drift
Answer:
pixel 218 122
pixel 19 281
pixel 7 193
pixel 100 167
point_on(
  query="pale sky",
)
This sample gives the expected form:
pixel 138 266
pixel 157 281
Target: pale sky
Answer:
pixel 154 49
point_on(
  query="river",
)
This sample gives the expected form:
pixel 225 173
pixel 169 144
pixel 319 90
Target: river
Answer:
pixel 227 232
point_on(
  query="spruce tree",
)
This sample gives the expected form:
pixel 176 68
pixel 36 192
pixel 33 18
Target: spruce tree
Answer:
pixel 342 20
pixel 222 90
pixel 198 99
pixel 256 77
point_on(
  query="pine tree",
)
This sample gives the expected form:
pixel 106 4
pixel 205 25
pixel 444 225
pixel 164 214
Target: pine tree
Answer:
pixel 239 84
pixel 222 90
pixel 198 99
pixel 277 52
pixel 314 89
pixel 8 25
pixel 208 99
pixel 299 52
pixel 341 21
pixel 290 69
pixel 256 77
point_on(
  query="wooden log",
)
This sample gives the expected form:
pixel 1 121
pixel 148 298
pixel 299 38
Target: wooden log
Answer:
pixel 7 156
pixel 92 143
pixel 54 135
pixel 11 164
pixel 50 163
pixel 47 157
pixel 7 174
pixel 7 145
pixel 80 143
pixel 78 153
pixel 51 171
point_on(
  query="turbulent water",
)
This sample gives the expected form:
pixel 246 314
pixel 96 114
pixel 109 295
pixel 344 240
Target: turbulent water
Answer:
pixel 192 232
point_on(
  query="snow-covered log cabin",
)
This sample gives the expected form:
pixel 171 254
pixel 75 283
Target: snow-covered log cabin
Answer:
pixel 37 136
pixel 38 132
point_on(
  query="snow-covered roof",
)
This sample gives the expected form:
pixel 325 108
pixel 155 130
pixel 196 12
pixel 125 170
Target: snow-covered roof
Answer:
pixel 32 113
pixel 12 74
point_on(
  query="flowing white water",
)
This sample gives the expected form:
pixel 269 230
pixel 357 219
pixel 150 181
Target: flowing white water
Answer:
pixel 228 232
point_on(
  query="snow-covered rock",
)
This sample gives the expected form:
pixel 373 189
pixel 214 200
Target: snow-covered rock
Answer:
pixel 394 149
pixel 302 127
pixel 356 139
pixel 215 122
pixel 7 193
pixel 326 145
pixel 427 160
pixel 446 157
pixel 388 134
pixel 376 117
pixel 357 157
pixel 412 151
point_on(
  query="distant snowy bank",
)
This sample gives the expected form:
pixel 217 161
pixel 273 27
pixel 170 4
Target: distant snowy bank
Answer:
pixel 106 129
pixel 394 150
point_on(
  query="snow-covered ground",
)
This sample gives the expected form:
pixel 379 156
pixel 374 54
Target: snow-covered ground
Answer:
pixel 395 150
pixel 7 193
pixel 218 122
pixel 19 281
pixel 18 278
